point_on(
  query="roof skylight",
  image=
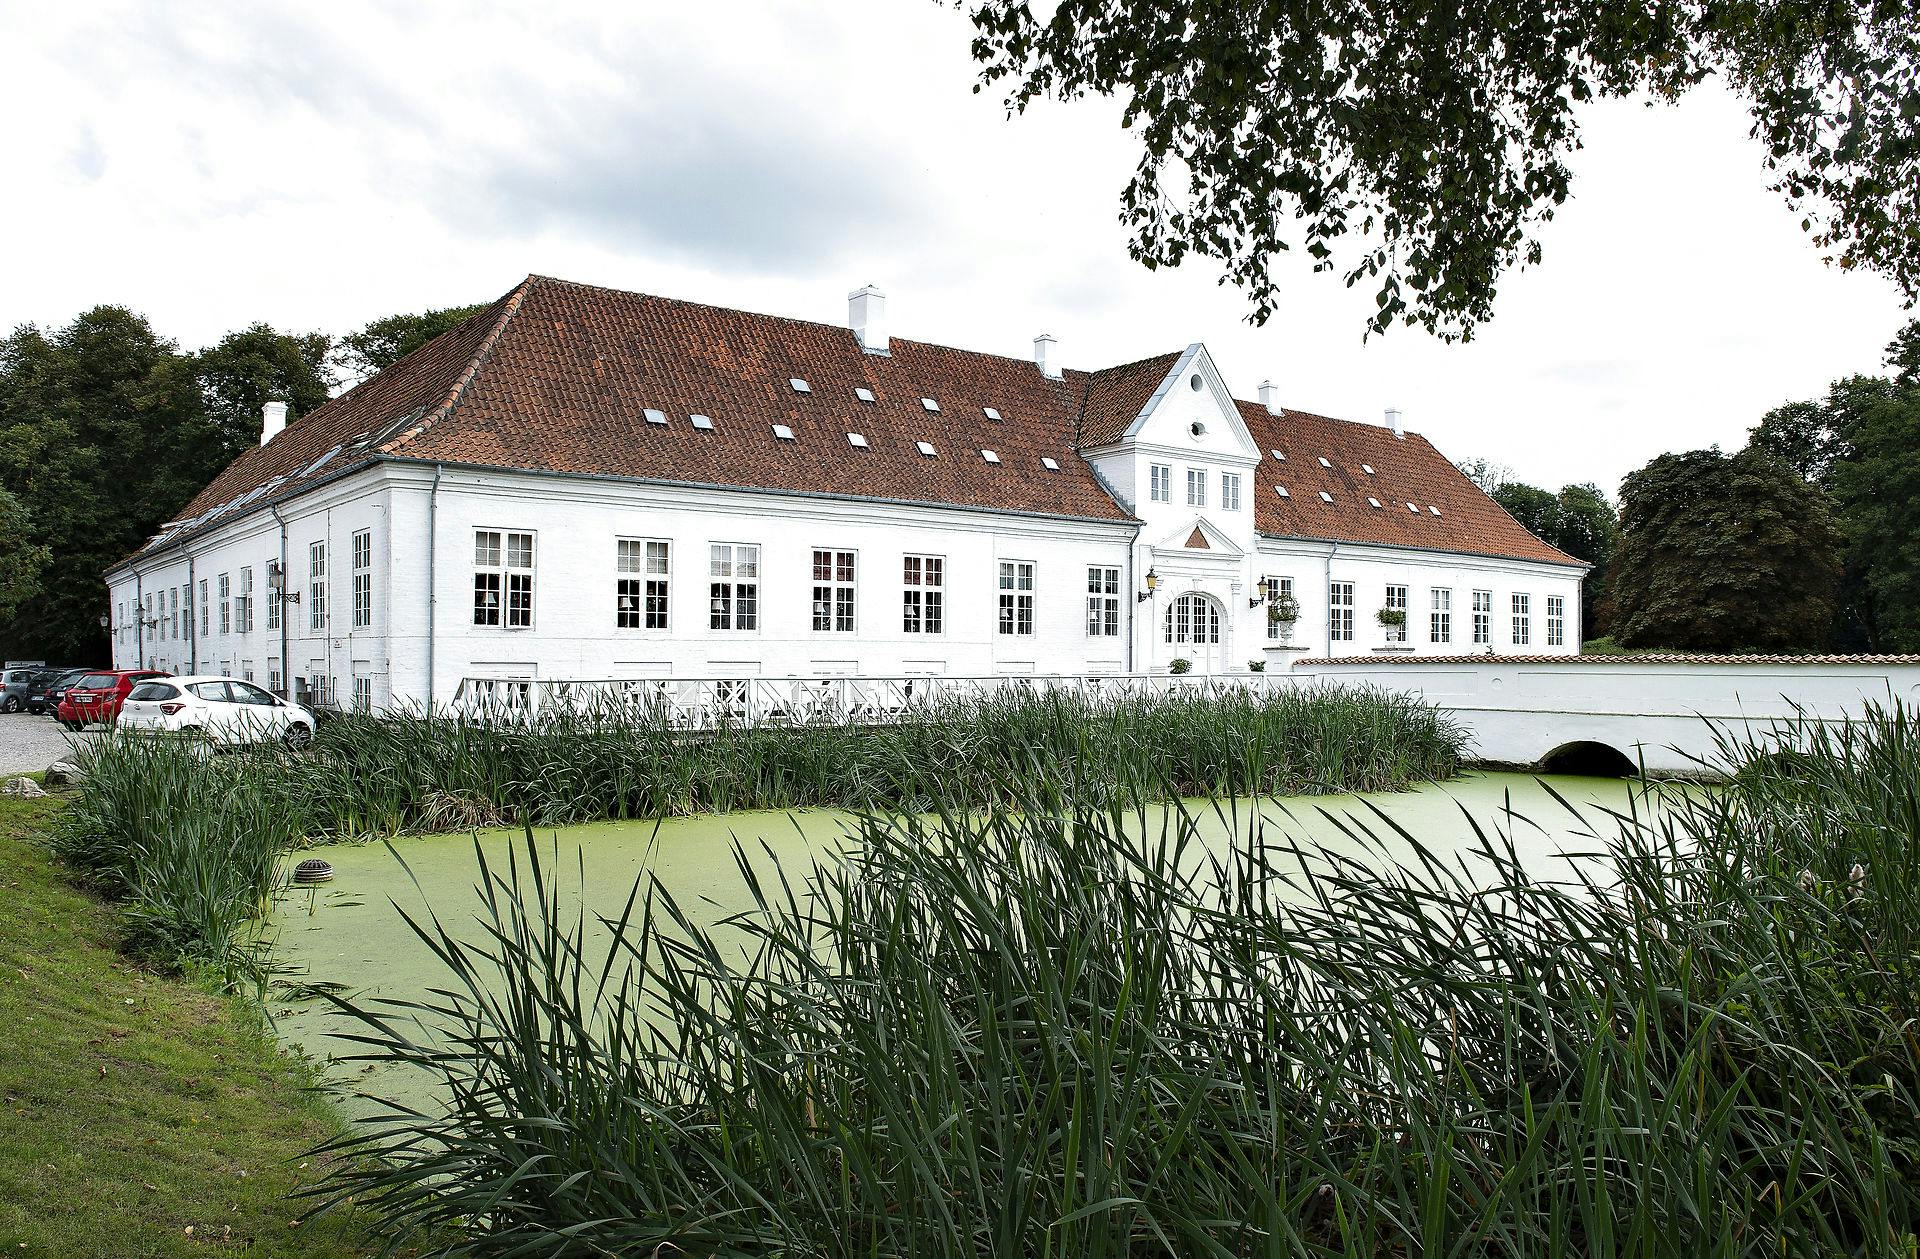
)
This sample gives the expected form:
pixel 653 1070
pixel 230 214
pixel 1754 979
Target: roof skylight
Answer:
pixel 317 464
pixel 1280 455
pixel 865 395
pixel 1049 463
pixel 990 413
pixel 1368 469
pixel 1281 490
pixel 655 416
pixel 1373 503
pixel 926 448
pixel 799 385
pixel 1325 497
pixel 929 404
pixel 784 433
pixel 857 440
pixel 700 422
pixel 1414 508
pixel 1324 463
pixel 1434 510
pixel 990 456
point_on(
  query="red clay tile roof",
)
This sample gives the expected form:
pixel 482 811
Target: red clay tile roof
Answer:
pixel 1397 658
pixel 1406 470
pixel 558 376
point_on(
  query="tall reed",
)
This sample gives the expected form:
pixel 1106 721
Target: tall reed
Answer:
pixel 1060 1025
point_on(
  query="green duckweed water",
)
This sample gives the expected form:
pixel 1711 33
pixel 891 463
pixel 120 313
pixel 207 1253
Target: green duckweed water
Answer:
pixel 352 933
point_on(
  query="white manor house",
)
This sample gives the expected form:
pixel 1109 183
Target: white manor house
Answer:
pixel 582 483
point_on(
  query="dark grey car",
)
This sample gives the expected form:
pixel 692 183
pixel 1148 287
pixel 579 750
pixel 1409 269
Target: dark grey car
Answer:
pixel 14 684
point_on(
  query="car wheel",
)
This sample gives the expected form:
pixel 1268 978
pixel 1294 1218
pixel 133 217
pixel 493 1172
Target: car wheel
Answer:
pixel 297 735
pixel 9 705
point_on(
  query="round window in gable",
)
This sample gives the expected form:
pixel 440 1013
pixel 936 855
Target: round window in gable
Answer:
pixel 1198 428
pixel 1194 382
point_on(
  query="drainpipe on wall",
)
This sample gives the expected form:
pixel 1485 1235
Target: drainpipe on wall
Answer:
pixel 286 664
pixel 433 590
pixel 139 623
pixel 1132 604
pixel 193 632
pixel 1326 597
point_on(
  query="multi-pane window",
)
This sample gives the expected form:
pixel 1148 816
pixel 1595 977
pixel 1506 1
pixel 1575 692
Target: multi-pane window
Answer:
pixel 502 578
pixel 833 591
pixel 642 597
pixel 1397 602
pixel 153 622
pixel 226 603
pixel 1522 620
pixel 1556 621
pixel 317 586
pixel 205 607
pixel 1103 601
pixel 363 579
pixel 923 595
pixel 362 694
pixel 1230 491
pixel 1016 597
pixel 273 601
pixel 1160 482
pixel 273 677
pixel 735 586
pixel 173 612
pixel 1340 611
pixel 1279 590
pixel 1482 617
pixel 1196 487
pixel 243 604
pixel 1440 621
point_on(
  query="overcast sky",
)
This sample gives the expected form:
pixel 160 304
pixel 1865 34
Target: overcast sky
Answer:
pixel 317 166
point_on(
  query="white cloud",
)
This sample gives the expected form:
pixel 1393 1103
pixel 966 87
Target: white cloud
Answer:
pixel 322 167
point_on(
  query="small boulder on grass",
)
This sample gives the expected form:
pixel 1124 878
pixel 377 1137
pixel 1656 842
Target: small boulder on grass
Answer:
pixel 25 788
pixel 63 773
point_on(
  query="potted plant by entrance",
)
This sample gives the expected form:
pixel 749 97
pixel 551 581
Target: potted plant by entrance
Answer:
pixel 1282 613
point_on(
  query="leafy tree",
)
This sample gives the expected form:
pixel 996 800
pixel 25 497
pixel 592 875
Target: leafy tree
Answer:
pixel 1485 473
pixel 22 560
pixel 257 365
pixel 385 342
pixel 1722 552
pixel 1419 146
pixel 1579 520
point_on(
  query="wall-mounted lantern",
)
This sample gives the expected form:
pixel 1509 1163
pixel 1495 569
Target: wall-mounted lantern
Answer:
pixel 1153 584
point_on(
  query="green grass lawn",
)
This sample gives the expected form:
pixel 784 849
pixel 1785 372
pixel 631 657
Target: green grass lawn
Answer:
pixel 139 1115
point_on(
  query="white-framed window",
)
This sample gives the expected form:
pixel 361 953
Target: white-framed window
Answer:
pixel 734 586
pixel 1522 620
pixel 1556 621
pixel 273 603
pixel 362 580
pixel 243 602
pixel 274 680
pixel 643 593
pixel 362 694
pixel 1340 611
pixel 226 603
pixel 834 591
pixel 1196 487
pixel 1482 617
pixel 1229 491
pixel 1440 619
pixel 246 670
pixel 923 580
pixel 173 612
pixel 1103 601
pixel 317 586
pixel 1397 602
pixel 1190 619
pixel 205 607
pixel 503 578
pixel 1016 597
pixel 1160 482
pixel 1278 588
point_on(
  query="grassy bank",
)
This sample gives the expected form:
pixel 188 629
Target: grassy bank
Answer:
pixel 139 1115
pixel 192 843
pixel 1035 1031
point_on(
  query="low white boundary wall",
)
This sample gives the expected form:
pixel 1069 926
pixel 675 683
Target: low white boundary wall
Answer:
pixel 1654 710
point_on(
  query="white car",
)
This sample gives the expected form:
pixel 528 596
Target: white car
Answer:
pixel 219 709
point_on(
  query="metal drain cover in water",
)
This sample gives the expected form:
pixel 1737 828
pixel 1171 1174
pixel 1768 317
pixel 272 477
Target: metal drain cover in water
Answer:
pixel 312 870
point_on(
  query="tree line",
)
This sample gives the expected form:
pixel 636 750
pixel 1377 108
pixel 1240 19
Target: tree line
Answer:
pixel 107 429
pixel 1805 539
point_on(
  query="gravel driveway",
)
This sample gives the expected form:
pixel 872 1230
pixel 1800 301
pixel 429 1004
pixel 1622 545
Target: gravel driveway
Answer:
pixel 29 744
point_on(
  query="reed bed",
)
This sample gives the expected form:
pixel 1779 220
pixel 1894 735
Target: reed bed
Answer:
pixel 192 839
pixel 1046 1021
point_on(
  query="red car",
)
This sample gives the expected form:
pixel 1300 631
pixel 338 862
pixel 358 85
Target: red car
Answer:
pixel 98 696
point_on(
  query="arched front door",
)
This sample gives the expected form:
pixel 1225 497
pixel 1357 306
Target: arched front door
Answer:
pixel 1195 627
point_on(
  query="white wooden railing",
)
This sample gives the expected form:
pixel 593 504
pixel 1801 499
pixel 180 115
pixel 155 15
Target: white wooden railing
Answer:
pixel 704 703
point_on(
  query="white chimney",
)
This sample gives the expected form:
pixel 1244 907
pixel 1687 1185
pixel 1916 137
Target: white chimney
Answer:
pixel 1393 422
pixel 1269 397
pixel 1043 356
pixel 867 316
pixel 273 418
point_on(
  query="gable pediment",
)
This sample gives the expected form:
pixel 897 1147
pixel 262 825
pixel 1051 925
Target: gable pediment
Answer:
pixel 1200 537
pixel 1192 413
